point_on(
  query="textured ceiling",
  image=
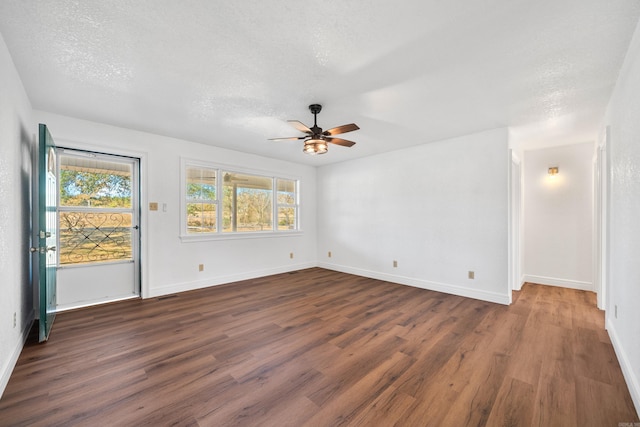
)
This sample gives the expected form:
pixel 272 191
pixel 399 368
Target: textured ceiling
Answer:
pixel 407 72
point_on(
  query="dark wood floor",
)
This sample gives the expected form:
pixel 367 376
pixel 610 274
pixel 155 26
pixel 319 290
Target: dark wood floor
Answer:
pixel 322 348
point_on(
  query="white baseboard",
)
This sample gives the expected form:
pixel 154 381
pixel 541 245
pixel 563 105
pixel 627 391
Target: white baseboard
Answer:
pixel 633 383
pixel 220 280
pixel 8 369
pixel 519 285
pixel 554 281
pixel 423 284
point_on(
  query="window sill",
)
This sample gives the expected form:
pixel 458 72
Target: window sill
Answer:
pixel 189 238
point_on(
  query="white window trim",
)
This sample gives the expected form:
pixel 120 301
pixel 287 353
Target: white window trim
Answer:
pixel 218 234
pixel 295 205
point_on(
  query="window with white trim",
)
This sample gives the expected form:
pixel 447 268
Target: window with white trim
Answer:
pixel 247 202
pixel 201 201
pixel 287 198
pixel 221 201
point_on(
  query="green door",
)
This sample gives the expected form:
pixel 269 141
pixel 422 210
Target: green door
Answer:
pixel 48 230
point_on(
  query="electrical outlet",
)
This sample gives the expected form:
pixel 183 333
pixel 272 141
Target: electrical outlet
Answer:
pixel 472 274
pixel 329 254
pixel 201 267
pixel 395 263
pixel 291 255
pixel 14 319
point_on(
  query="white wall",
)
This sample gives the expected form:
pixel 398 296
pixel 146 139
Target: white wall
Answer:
pixel 558 217
pixel 439 209
pixel 623 115
pixel 17 148
pixel 168 264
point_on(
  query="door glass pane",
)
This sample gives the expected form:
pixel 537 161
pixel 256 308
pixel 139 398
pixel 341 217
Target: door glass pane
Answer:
pixel 85 181
pixel 94 236
pixel 96 209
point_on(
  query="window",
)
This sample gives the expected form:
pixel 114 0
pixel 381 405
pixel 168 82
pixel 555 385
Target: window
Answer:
pixel 222 201
pixel 287 204
pixel 248 202
pixel 201 200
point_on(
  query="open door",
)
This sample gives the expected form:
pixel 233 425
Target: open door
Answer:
pixel 48 225
pixel 98 228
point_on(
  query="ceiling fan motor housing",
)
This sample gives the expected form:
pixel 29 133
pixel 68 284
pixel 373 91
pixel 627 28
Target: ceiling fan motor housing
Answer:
pixel 315 108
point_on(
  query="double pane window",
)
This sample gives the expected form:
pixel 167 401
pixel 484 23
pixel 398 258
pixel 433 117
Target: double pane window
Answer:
pixel 201 202
pixel 287 204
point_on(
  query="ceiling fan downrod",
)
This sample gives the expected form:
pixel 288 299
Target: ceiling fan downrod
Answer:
pixel 315 110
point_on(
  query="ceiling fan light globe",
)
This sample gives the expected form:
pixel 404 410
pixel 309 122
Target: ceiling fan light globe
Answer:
pixel 315 146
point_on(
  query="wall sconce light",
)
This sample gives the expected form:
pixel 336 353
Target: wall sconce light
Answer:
pixel 553 170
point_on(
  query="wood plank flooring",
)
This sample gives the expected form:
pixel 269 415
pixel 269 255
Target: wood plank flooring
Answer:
pixel 321 348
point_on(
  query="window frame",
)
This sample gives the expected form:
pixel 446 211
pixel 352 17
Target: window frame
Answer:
pixel 277 205
pixel 219 234
pixel 186 200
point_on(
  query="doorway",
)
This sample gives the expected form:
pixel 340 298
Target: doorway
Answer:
pixel 601 214
pixel 98 223
pixel 558 216
pixel 515 275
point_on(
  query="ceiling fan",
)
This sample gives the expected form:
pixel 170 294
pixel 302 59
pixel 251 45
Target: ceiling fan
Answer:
pixel 315 140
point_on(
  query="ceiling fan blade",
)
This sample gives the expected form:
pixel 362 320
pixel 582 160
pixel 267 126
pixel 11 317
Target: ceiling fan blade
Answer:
pixel 299 125
pixel 293 138
pixel 340 141
pixel 341 129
